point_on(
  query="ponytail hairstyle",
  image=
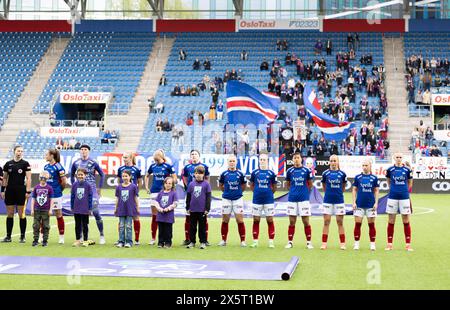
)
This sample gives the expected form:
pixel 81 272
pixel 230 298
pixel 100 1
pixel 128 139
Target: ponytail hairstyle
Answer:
pixel 55 154
pixel 369 162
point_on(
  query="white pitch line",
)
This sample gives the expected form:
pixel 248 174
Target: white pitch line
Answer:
pixel 53 226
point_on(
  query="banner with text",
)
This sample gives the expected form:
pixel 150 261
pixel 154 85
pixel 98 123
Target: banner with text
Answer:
pixel 68 132
pixel 85 97
pixel 294 24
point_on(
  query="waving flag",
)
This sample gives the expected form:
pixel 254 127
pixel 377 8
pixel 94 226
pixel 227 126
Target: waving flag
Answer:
pixel 330 127
pixel 247 105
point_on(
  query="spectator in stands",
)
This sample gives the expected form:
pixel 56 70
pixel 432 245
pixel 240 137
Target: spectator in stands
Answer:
pixel 151 104
pixel 176 90
pixel 429 136
pixel 419 98
pixel 163 80
pixel 285 45
pixel 212 111
pixel 279 45
pixel 182 54
pixel 426 80
pixel 113 139
pixel 218 82
pixel 59 143
pixel 244 55
pixel 159 125
pixel 159 108
pixel 166 126
pixel 233 74
pixel 219 110
pixel 318 47
pixel 201 119
pixel 194 90
pixel 106 137
pixel 426 98
pixel 207 82
pixel 352 54
pixel 264 65
pixel 215 95
pixel 175 141
pixel 72 143
pixel 435 151
pixel 282 114
pixel 196 64
pixel 356 41
pixel 334 148
pixel 77 145
pixel 349 41
pixel 364 131
pixel 329 46
pixel 207 64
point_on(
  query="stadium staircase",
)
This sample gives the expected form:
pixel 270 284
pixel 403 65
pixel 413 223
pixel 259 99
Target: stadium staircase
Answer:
pixel 131 126
pixel 399 121
pixel 22 117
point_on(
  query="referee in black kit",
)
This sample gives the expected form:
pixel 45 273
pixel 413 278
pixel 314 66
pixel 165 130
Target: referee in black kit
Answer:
pixel 16 188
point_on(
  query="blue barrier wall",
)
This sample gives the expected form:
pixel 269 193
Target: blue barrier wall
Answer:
pixel 115 26
pixel 429 25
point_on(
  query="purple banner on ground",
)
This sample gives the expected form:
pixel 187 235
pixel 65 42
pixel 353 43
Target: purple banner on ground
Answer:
pixel 147 268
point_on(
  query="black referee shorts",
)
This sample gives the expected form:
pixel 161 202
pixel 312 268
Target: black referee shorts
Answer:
pixel 15 196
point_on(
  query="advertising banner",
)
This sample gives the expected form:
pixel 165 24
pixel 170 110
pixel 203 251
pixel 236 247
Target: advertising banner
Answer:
pixel 287 24
pixel 85 97
pixel 68 132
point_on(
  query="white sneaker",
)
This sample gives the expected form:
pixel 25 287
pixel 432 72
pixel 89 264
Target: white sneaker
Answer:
pixel 323 246
pixel 102 240
pixel 271 245
pixel 222 243
pixel 372 246
pixel 243 244
pixel 254 244
pixel 137 243
pixel 41 237
pixel 409 248
pixel 152 242
pixel 356 246
pixel 342 246
pixel 61 239
pixel 289 245
pixel 309 246
pixel 128 245
pixel 389 247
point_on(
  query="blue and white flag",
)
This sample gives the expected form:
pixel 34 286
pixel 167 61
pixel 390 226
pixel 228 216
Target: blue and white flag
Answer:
pixel 247 105
pixel 331 128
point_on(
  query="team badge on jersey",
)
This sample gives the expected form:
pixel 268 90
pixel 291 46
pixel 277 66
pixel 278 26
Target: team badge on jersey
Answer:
pixel 41 198
pixel 197 191
pixel 164 200
pixel 125 194
pixel 80 193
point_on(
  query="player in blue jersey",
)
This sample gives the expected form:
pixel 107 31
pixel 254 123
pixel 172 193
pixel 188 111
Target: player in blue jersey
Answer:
pixel 57 180
pixel 263 183
pixel 92 169
pixel 299 181
pixel 160 170
pixel 232 183
pixel 365 192
pixel 333 184
pixel 129 164
pixel 187 176
pixel 399 178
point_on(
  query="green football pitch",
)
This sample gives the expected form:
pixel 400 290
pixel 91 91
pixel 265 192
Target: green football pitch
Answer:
pixel 425 268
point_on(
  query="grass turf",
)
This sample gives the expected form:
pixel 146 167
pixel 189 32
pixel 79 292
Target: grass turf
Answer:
pixel 426 268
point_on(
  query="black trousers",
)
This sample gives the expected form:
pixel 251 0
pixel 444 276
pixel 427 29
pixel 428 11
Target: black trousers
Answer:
pixel 197 218
pixel 165 233
pixel 81 225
